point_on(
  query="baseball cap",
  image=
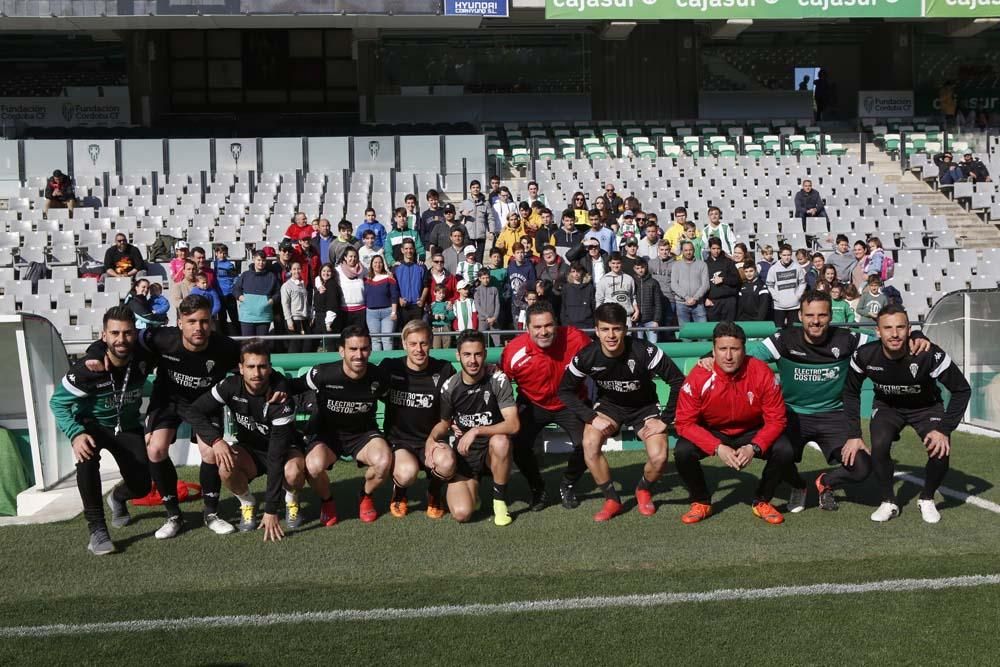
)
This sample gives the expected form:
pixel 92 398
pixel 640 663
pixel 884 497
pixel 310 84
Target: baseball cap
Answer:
pixel 462 284
pixel 469 249
pixel 449 208
pixel 181 245
pixel 631 240
pixel 286 245
pixel 628 214
pixel 269 251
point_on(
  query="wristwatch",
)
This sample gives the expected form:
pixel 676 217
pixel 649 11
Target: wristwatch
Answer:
pixel 757 451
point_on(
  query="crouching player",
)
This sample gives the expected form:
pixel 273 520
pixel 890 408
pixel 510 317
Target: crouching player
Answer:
pixel 265 436
pixel 478 404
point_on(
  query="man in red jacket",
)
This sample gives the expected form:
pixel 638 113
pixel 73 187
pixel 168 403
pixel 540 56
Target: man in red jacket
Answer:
pixel 735 412
pixel 536 361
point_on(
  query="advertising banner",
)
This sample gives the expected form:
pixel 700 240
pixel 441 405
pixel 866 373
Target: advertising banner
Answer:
pixel 885 103
pixel 65 111
pixel 631 10
pixel 484 8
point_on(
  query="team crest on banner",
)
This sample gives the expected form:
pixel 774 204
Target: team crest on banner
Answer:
pixel 373 149
pixel 236 149
pixel 94 150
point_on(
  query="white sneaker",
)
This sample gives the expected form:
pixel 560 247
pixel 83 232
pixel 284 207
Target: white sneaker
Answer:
pixel 218 525
pixel 928 510
pixel 797 501
pixel 170 528
pixel 885 512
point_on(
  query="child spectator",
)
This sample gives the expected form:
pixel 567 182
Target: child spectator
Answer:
pixel 841 310
pixel 530 299
pixel 872 301
pixel 691 234
pixel 201 288
pixel 295 307
pixel 225 275
pixel 441 317
pixel 468 269
pixel 374 226
pixel 464 308
pixel 138 300
pixel 181 249
pixel 578 299
pixel 487 301
pixel 369 248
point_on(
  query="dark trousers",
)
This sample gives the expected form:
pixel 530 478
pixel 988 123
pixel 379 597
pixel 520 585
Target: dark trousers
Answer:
pixel 254 328
pixel 827 429
pixel 303 345
pixel 687 458
pixel 886 425
pixel 353 318
pixel 229 316
pixel 410 311
pixel 533 419
pixel 785 318
pixel 722 310
pixel 129 450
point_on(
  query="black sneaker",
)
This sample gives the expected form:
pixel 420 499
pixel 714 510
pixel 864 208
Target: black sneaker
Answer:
pixel 539 500
pixel 568 496
pixel 120 516
pixel 826 500
pixel 100 543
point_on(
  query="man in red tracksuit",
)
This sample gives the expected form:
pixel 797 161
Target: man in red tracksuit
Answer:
pixel 536 361
pixel 736 412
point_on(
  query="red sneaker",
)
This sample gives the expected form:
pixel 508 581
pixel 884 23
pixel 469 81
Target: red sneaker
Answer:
pixel 644 499
pixel 609 510
pixel 767 512
pixel 698 512
pixel 366 509
pixel 328 513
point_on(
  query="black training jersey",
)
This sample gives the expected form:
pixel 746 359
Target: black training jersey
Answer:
pixel 625 381
pixel 479 404
pixel 344 406
pixel 413 404
pixel 907 383
pixel 183 374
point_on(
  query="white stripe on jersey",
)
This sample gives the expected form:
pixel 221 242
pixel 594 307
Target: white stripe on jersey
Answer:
pixel 772 348
pixel 283 421
pixel 309 379
pixel 942 367
pixel 854 366
pixel 574 370
pixel 72 388
pixel 216 396
pixel 656 359
pixel 708 384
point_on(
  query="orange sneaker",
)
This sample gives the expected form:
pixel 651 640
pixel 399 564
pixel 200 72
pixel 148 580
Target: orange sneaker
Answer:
pixel 435 509
pixel 399 508
pixel 644 499
pixel 698 512
pixel 328 513
pixel 609 510
pixel 366 509
pixel 767 512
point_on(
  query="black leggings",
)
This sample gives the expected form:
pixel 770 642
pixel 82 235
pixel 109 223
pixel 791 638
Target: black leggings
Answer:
pixel 129 450
pixel 533 419
pixel 886 425
pixel 687 458
pixel 785 318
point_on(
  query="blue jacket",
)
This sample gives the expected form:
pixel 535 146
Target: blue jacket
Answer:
pixel 375 227
pixel 225 275
pixel 381 293
pixel 212 296
pixel 411 279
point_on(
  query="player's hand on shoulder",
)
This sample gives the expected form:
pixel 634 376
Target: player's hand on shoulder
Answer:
pixel 919 345
pixel 708 363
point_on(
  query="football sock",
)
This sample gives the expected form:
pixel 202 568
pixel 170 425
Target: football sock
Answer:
pixel 164 474
pixel 644 484
pixel 211 486
pixel 500 492
pixel 608 489
pixel 246 499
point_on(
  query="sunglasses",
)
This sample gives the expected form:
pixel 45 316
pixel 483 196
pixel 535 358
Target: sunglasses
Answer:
pixel 437 261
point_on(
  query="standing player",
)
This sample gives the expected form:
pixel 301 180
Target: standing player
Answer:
pixel 906 394
pixel 478 404
pixel 344 423
pixel 536 361
pixel 412 409
pixel 266 440
pixel 100 410
pixel 623 368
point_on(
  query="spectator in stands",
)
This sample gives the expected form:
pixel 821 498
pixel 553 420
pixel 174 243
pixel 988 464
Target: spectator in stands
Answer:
pixel 123 260
pixel 720 230
pixel 510 237
pixel 953 174
pixel 157 302
pixel 351 278
pixel 649 299
pixel 740 256
pixel 400 232
pixel 201 261
pixel 503 208
pixel 533 194
pixel 841 310
pixel 630 256
pixel 431 216
pixel 529 223
pixel 691 234
pixel 368 250
pixel 59 192
pixel 786 281
pixel 487 301
pixel 617 287
pixel 494 194
pixel 822 286
pixel 442 316
pixel 605 237
pixel 723 284
pixel 604 210
pixel 675 233
pixel 257 290
pixel 466 315
pixel 138 301
pixel 439 275
pixel 754 302
pixel 568 236
pixel 803 259
pixel 689 283
pixel 551 267
pixel 477 216
pixel 498 278
pixel 580 210
pixel 454 252
pixel 829 274
pixel 816 265
pixel 808 203
pixel 412 214
pixel 411 280
pixel 592 257
pixel 944 162
pixel 181 288
pixel 283 267
pixel 650 240
pixel 468 269
pixel 875 259
pixel 628 226
pixel 344 240
pixel 852 297
pixel 577 304
pixel 767 260
pixel 225 275
pixel 872 301
pixel 615 203
pixel 841 258
pixel 295 308
pixel 660 267
pixel 381 303
pixel 372 223
pixel 304 254
pixel 181 251
pixel 859 278
pixel 974 169
pixel 202 288
pixel 442 235
pixel 322 240
pixel 520 275
pixel 300 228
pixel 546 230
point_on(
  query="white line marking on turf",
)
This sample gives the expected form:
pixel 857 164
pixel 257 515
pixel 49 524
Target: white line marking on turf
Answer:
pixel 568 604
pixel 952 493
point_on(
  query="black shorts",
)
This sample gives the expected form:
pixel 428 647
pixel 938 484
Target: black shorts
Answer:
pixel 633 418
pixel 415 448
pixel 826 429
pixel 476 463
pixel 169 413
pixel 923 420
pixel 259 456
pixel 345 445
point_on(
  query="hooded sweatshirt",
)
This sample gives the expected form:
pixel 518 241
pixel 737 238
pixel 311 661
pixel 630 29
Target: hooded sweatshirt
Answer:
pixel 786 284
pixel 578 304
pixel 616 288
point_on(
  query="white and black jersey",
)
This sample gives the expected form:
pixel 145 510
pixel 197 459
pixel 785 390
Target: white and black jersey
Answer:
pixel 625 381
pixel 344 406
pixel 479 404
pixel 183 375
pixel 907 383
pixel 413 404
pixel 261 426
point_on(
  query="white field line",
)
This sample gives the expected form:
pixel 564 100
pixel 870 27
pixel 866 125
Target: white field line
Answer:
pixel 556 605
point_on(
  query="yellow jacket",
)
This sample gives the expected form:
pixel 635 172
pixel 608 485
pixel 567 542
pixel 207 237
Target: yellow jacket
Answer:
pixel 508 239
pixel 674 234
